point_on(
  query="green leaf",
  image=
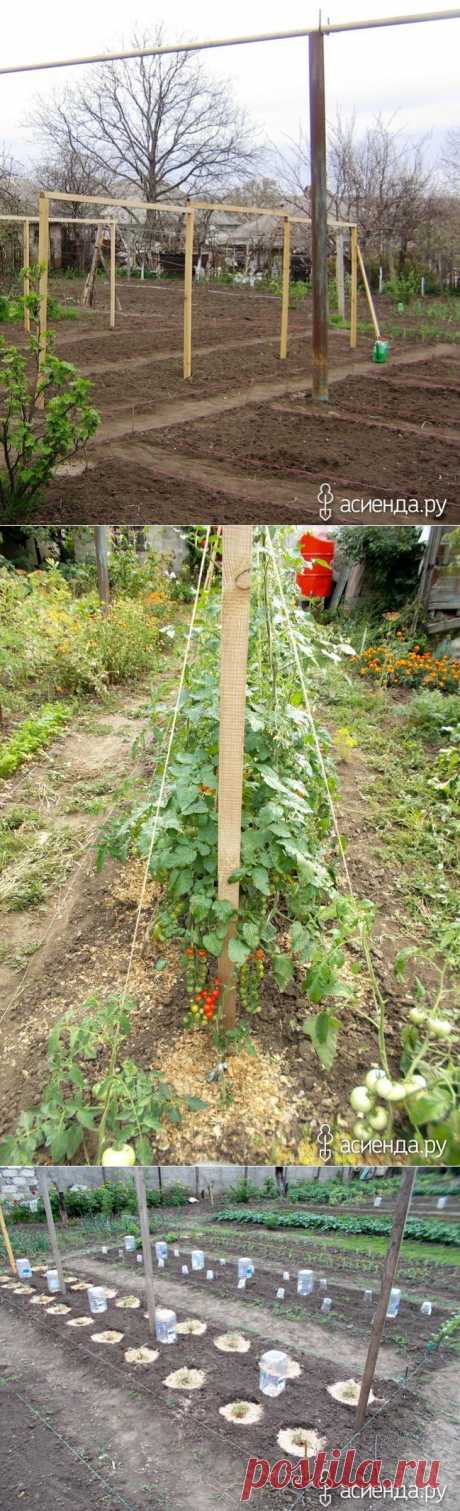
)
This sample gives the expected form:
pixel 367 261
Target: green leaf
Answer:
pixel 213 942
pixel 237 950
pixel 283 969
pixel 143 1150
pixel 251 933
pixel 260 878
pixel 322 1030
pixel 430 1106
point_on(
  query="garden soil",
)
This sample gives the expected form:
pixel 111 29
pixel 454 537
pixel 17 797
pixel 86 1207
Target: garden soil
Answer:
pixel 245 420
pixel 164 1418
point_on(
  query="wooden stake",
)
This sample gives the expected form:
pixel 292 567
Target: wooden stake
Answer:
pixel 354 287
pixel 389 1271
pixel 285 291
pixel 26 266
pixel 368 293
pixel 4 1233
pixel 44 1192
pixel 113 233
pixel 340 274
pixel 146 1245
pixel 188 283
pixel 236 582
pixel 87 297
pixel 101 539
pixel 43 258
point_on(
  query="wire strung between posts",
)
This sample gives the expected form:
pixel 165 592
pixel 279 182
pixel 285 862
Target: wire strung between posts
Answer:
pixel 310 714
pixel 378 999
pixel 165 766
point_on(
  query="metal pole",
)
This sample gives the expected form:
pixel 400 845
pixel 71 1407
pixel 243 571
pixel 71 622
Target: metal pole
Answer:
pixel 389 1271
pixel 101 540
pixel 319 246
pixel 44 1192
pixel 285 288
pixel 184 47
pixel 146 1245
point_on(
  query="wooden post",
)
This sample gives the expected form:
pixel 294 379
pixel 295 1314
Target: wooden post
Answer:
pixel 188 283
pixel 101 538
pixel 87 298
pixel 44 1192
pixel 319 235
pixel 43 257
pixel 285 288
pixel 368 293
pixel 354 287
pixel 340 274
pixel 389 1271
pixel 26 266
pixel 146 1245
pixel 236 582
pixel 113 234
pixel 4 1233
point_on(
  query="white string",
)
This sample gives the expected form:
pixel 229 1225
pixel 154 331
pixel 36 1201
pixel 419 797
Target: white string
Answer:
pixel 165 766
pixel 309 711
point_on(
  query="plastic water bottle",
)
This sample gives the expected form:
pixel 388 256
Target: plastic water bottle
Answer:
pixel 176 1253
pixel 280 1294
pixel 441 1203
pixel 52 1281
pixel 184 1268
pixel 305 1282
pixel 286 1275
pixel 326 1305
pixel 197 1259
pixel 426 1308
pixel 165 1325
pixel 241 1284
pixel 97 1299
pixel 394 1301
pixel 245 1269
pixel 210 1274
pixel 24 1269
pixel 129 1242
pixel 104 1249
pixel 161 1250
pixel 161 1264
pixel 272 1372
pixel 139 1258
pixel 377 1201
pixel 368 1296
pixel 322 1284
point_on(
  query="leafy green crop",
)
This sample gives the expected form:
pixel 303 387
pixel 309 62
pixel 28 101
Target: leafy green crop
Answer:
pixel 416 1227
pixel 32 735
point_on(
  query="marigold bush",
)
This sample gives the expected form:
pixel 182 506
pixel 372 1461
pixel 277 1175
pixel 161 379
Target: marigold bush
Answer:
pixel 395 665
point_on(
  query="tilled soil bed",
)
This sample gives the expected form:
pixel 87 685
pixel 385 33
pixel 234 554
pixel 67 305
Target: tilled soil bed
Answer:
pixel 349 1308
pixel 228 1377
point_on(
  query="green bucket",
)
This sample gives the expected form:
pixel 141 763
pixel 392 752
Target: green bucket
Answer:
pixel 380 351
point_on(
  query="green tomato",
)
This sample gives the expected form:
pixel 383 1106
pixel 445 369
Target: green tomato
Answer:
pixel 392 1091
pixel 379 1120
pixel 124 1156
pixel 360 1100
pixel 361 1130
pixel 442 1028
pixel 417 1015
pixel 373 1077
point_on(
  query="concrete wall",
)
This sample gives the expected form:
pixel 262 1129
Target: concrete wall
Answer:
pixel 19 1183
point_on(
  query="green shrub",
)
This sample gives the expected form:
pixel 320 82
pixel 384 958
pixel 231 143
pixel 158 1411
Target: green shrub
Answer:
pixel 433 714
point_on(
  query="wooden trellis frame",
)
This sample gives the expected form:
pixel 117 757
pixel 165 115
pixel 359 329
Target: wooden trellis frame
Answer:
pixel 315 37
pixel 187 210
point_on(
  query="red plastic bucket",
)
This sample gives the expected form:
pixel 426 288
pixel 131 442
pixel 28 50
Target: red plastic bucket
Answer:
pixel 315 582
pixel 313 546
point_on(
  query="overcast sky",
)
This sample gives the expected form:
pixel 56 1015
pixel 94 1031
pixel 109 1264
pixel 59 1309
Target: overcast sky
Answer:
pixel 410 72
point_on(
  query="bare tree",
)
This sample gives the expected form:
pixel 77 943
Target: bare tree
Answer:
pixel 379 181
pixel 450 160
pixel 158 125
pixel 71 171
pixel 10 193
